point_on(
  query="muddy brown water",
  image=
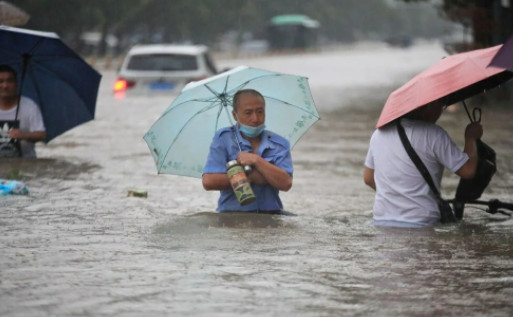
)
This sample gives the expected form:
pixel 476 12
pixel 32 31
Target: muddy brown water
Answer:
pixel 78 246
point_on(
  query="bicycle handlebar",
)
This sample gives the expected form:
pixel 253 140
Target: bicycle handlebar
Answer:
pixel 494 205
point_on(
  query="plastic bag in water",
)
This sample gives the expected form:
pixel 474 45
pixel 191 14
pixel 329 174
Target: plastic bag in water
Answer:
pixel 12 187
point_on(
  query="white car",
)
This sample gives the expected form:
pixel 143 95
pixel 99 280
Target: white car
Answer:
pixel 163 68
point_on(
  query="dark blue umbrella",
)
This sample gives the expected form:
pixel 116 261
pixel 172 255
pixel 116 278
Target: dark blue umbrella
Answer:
pixel 53 75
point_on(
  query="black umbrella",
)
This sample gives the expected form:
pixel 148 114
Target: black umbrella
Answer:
pixel 63 85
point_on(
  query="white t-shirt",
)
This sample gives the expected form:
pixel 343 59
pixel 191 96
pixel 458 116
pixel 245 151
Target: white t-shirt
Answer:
pixel 402 194
pixel 30 120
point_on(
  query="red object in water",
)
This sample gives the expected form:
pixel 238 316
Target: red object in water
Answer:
pixel 454 78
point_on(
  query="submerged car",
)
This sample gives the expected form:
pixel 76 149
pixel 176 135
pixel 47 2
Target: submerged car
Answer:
pixel 163 68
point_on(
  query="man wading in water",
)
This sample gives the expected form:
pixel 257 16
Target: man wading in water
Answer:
pixel 403 197
pixel 266 152
pixel 22 122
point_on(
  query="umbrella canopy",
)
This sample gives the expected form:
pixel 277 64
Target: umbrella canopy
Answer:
pixel 504 57
pixel 63 85
pixel 180 139
pixel 12 15
pixel 455 78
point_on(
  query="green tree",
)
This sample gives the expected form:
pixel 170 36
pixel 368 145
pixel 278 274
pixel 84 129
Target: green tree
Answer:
pixel 490 21
pixel 205 21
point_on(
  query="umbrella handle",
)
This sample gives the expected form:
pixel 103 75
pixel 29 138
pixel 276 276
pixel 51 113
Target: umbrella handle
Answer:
pixel 476 114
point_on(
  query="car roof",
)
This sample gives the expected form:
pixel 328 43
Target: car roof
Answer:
pixel 168 48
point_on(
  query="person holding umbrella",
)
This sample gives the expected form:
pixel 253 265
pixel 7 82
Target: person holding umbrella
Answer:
pixel 266 152
pixel 403 197
pixel 20 117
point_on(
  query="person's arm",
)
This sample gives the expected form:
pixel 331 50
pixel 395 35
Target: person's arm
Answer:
pixel 214 174
pixel 34 136
pixel 216 181
pixel 256 177
pixel 368 177
pixel 473 132
pixel 272 174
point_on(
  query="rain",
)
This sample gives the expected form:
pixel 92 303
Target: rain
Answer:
pixel 102 233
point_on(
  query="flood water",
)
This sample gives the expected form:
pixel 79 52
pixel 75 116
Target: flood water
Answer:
pixel 78 246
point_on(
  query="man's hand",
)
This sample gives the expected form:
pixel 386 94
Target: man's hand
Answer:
pixel 265 172
pixel 16 134
pixel 474 131
pixel 247 158
pixel 34 136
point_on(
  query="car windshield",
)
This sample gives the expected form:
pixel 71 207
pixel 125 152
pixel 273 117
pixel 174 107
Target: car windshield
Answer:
pixel 171 62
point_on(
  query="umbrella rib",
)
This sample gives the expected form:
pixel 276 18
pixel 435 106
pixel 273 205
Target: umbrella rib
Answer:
pixel 217 118
pixel 292 105
pixel 186 102
pixel 212 91
pixel 41 40
pixel 183 127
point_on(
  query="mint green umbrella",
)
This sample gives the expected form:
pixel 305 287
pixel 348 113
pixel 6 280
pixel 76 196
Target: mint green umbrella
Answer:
pixel 180 139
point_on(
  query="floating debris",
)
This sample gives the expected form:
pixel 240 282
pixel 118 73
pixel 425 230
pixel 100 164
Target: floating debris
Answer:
pixel 137 193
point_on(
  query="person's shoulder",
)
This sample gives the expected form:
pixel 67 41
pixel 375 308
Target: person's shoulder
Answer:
pixel 223 131
pixel 428 127
pixel 434 128
pixel 276 138
pixel 28 102
pixel 384 131
pixel 431 133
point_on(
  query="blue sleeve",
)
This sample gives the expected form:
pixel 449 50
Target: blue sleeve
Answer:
pixel 217 157
pixel 283 159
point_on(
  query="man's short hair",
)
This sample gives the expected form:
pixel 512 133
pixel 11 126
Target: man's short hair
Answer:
pixel 239 93
pixel 8 69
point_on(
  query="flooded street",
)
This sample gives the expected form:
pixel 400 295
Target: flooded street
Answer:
pixel 78 246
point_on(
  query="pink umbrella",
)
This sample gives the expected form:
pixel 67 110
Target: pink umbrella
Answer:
pixel 455 78
pixel 12 15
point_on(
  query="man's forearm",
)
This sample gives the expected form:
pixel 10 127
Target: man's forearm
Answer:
pixel 33 136
pixel 217 181
pixel 274 175
pixel 468 170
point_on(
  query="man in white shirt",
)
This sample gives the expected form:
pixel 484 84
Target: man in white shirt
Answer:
pixel 31 127
pixel 403 198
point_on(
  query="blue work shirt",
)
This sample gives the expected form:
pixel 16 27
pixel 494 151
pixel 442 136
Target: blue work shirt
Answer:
pixel 273 148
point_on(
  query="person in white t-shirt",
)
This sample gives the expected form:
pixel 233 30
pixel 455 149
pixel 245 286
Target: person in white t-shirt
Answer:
pixel 403 198
pixel 31 126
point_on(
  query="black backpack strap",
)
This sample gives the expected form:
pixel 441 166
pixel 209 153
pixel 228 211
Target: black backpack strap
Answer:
pixel 416 160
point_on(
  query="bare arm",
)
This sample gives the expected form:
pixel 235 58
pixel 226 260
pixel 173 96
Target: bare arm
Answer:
pixel 216 181
pixel 265 171
pixel 473 132
pixel 368 177
pixel 34 136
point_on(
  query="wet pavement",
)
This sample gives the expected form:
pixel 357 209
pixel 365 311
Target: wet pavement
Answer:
pixel 78 246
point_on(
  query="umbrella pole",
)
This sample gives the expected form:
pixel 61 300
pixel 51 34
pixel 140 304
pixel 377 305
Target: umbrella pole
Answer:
pixel 26 58
pixel 466 109
pixel 248 169
pixel 225 106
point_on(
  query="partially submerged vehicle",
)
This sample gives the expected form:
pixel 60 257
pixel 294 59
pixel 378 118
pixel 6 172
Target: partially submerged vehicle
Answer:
pixel 163 68
pixel 292 31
